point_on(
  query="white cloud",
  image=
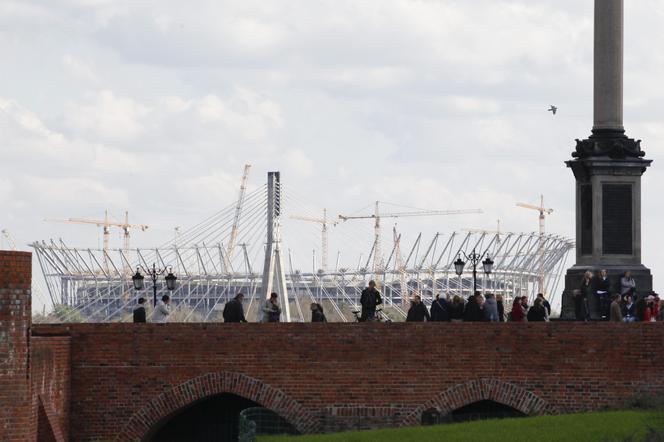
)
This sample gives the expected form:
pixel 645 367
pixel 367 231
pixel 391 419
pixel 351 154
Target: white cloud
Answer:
pixel 434 104
pixel 108 116
pixel 79 68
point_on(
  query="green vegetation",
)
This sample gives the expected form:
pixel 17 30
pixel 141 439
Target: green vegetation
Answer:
pixel 632 425
pixel 61 313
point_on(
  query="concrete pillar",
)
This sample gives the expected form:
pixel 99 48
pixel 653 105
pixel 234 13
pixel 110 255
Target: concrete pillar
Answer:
pixel 17 415
pixel 608 62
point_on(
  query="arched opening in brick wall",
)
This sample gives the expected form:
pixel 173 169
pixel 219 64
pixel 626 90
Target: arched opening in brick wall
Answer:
pixel 209 392
pixel 481 410
pixel 215 418
pixel 490 395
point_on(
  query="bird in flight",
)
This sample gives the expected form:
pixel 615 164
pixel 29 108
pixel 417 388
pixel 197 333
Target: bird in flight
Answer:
pixel 553 109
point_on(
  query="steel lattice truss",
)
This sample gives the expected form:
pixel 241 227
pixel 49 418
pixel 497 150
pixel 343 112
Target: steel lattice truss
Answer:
pixel 96 284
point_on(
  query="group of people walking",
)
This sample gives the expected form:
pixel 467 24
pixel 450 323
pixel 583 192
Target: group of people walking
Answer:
pixel 160 314
pixel 622 304
pixel 478 308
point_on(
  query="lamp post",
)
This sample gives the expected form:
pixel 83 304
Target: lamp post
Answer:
pixel 139 280
pixel 474 259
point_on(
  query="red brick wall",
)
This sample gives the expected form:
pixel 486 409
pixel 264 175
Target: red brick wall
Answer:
pixel 50 358
pixel 321 377
pixel 17 416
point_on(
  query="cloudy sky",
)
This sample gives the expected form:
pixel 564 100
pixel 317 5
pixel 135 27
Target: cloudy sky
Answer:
pixel 155 106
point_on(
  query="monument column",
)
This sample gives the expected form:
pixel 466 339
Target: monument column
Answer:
pixel 608 66
pixel 607 167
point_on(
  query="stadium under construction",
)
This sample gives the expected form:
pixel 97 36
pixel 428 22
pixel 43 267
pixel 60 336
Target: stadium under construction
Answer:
pixel 222 256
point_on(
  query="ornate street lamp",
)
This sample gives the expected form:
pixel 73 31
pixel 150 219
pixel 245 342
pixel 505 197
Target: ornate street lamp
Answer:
pixel 139 280
pixel 474 259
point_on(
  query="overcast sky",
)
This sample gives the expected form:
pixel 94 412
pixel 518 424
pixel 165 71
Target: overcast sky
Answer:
pixel 155 106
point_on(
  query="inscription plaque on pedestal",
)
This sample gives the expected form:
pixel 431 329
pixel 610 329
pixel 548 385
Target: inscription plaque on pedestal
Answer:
pixel 617 219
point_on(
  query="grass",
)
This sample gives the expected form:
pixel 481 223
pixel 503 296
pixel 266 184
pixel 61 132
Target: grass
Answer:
pixel 632 425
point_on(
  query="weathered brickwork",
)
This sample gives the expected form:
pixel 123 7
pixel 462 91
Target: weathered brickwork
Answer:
pixel 120 381
pixel 126 378
pixel 50 371
pixel 17 415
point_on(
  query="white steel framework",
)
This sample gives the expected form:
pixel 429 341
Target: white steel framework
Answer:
pixel 93 284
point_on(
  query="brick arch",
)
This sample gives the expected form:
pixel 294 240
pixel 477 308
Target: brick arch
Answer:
pixel 467 393
pixel 144 420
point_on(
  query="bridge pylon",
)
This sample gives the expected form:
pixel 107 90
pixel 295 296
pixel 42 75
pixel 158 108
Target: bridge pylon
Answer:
pixel 274 276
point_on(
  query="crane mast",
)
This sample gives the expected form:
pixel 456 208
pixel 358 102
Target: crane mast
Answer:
pixel 324 234
pixel 236 220
pixel 543 211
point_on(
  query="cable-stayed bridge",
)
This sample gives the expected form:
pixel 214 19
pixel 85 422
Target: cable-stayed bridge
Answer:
pixel 96 284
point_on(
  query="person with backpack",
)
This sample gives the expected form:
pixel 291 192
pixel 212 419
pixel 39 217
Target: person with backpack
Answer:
pixel 439 310
pixel 369 300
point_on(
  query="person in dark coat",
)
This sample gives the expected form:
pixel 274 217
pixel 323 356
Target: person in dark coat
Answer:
pixel 317 314
pixel 472 312
pixel 139 311
pixel 456 309
pixel 602 287
pixel 369 300
pixel 545 303
pixel 640 309
pixel 439 310
pixel 537 313
pixel 629 309
pixel 581 297
pixel 233 311
pixel 417 311
pixel 501 308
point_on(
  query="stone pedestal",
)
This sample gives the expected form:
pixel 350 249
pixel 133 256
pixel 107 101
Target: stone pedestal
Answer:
pixel 607 168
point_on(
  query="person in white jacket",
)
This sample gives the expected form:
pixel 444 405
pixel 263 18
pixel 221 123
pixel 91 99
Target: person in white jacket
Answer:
pixel 162 310
pixel 271 310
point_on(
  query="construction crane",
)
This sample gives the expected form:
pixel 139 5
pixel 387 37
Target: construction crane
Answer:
pixel 106 225
pixel 236 220
pixel 497 232
pixel 543 211
pixel 8 237
pixel 376 216
pixel 324 223
pixel 401 268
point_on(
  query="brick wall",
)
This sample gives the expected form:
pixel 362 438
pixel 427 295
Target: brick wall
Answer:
pixel 119 381
pixel 125 378
pixel 17 415
pixel 50 360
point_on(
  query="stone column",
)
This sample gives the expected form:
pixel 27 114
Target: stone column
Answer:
pixel 608 65
pixel 607 167
pixel 17 417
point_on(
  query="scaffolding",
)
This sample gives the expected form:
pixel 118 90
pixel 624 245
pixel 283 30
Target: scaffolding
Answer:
pixel 94 286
